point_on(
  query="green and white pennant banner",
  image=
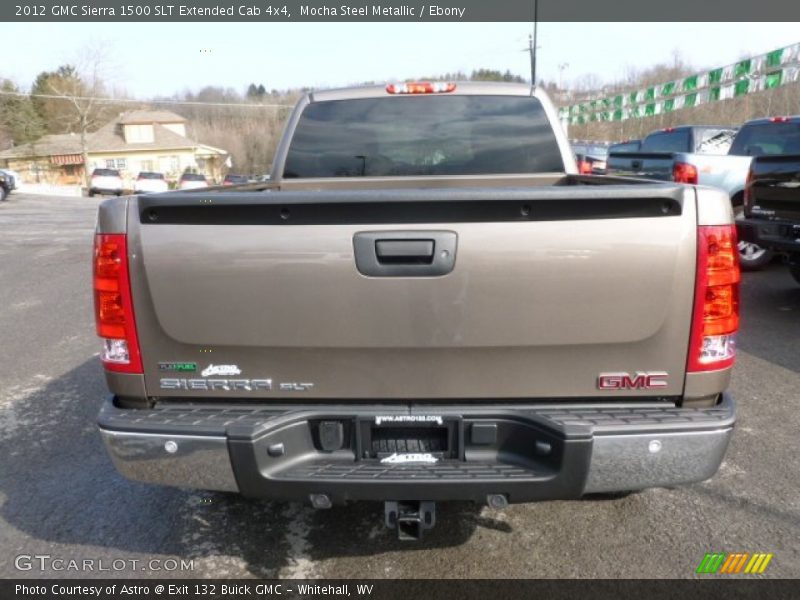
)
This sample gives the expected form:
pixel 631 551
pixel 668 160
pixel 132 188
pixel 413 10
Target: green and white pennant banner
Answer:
pixel 755 74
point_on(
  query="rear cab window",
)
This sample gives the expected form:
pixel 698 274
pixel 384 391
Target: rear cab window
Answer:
pixel 590 150
pixel 423 135
pixel 105 173
pixel 667 141
pixel 624 148
pixel 764 139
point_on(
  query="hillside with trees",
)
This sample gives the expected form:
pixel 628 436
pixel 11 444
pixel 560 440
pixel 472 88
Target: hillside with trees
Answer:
pixel 783 100
pixel 247 123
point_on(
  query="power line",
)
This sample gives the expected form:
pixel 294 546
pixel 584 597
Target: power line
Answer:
pixel 133 101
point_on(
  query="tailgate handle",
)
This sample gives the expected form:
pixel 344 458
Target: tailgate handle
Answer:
pixel 405 253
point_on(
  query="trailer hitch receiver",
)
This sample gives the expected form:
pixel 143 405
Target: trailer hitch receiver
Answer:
pixel 410 518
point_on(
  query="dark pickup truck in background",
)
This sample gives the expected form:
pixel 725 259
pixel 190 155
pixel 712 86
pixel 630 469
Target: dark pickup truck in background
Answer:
pixel 772 206
pixel 669 155
pixel 5 186
pixel 696 155
pixel 590 157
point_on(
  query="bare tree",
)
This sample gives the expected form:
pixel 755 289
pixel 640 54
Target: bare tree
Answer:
pixel 83 91
pixel 588 82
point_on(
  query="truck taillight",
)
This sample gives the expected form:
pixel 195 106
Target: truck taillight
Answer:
pixel 684 173
pixel 716 305
pixel 747 195
pixel 584 167
pixel 113 304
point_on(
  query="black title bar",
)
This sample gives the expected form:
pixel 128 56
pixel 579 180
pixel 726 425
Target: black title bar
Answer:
pixel 274 11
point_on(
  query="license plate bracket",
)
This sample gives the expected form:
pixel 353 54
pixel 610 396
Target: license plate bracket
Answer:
pixel 382 436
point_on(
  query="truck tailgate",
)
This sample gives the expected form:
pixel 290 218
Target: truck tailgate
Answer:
pixel 548 288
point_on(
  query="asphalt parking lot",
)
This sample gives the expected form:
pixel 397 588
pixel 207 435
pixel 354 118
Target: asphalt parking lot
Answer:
pixel 60 496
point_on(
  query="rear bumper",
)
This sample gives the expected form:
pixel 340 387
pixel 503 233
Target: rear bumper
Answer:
pixel 525 453
pixel 783 236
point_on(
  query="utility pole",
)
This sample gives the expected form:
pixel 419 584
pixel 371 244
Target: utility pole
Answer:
pixel 532 46
pixel 561 68
pixel 532 42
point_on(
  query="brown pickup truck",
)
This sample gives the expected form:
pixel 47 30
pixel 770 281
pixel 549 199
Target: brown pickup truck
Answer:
pixel 425 303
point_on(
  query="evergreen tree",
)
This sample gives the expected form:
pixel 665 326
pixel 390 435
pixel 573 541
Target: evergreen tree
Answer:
pixel 18 115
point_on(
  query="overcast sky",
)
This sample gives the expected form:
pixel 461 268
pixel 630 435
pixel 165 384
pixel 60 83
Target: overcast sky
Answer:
pixel 162 58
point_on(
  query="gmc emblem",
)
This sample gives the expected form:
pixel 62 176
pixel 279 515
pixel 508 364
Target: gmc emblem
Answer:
pixel 647 380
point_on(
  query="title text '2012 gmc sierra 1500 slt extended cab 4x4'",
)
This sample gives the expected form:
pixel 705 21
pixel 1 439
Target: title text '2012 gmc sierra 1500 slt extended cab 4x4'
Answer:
pixel 425 303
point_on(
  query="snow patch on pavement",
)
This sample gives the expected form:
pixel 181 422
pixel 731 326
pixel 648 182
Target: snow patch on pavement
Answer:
pixel 11 408
pixel 299 564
